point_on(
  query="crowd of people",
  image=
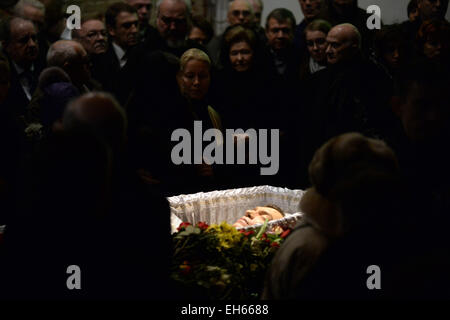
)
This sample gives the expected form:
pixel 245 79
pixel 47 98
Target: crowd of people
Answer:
pixel 86 123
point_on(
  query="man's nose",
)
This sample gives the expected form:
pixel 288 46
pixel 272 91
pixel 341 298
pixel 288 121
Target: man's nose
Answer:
pixel 315 47
pixel 143 10
pixel 32 42
pixel 239 57
pixel 328 48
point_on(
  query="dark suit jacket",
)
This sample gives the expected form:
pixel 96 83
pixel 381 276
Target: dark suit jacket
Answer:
pixel 17 99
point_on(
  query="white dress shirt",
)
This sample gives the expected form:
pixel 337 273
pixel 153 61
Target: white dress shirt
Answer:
pixel 121 54
pixel 26 86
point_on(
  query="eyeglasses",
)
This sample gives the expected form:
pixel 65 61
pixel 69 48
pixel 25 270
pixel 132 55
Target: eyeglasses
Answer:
pixel 168 21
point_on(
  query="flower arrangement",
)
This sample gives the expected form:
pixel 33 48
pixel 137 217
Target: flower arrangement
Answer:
pixel 219 262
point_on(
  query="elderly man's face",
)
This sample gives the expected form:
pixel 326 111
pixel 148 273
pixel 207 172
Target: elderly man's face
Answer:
pixel 172 21
pixel 310 8
pixel 240 13
pixel 35 15
pixel 23 47
pixel 125 33
pixel 93 37
pixel 194 80
pixel 144 9
pixel 430 9
pixel 340 47
pixel 279 34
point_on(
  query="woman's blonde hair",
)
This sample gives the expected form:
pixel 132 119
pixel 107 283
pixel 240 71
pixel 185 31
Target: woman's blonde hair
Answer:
pixel 194 54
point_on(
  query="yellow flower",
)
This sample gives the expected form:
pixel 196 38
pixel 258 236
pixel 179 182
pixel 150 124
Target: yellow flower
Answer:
pixel 228 235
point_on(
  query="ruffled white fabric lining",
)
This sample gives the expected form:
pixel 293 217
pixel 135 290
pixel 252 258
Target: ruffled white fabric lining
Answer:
pixel 229 205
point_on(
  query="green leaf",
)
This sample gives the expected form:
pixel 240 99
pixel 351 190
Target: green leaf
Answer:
pixel 263 229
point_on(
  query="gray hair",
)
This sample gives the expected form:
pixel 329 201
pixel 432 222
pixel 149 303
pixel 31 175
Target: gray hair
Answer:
pixel 19 7
pixel 248 3
pixel 61 52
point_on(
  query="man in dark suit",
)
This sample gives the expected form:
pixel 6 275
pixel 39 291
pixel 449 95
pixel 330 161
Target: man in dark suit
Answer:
pixel 111 68
pixel 173 22
pixel 22 50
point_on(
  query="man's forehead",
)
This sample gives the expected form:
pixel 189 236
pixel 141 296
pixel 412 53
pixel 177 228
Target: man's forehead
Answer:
pixel 93 24
pixel 240 5
pixel 274 23
pixel 127 16
pixel 171 8
pixel 333 39
pixel 20 26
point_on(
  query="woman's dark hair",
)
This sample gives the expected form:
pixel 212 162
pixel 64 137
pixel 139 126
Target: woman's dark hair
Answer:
pixel 319 25
pixel 238 34
pixel 388 35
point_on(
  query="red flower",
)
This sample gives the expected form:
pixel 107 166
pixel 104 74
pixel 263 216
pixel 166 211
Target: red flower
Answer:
pixel 264 236
pixel 285 233
pixel 275 244
pixel 249 233
pixel 183 225
pixel 202 225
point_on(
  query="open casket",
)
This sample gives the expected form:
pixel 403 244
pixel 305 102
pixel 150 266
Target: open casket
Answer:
pixel 229 205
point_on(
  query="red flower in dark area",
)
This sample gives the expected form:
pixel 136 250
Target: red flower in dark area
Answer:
pixel 285 233
pixel 202 225
pixel 264 236
pixel 275 244
pixel 183 225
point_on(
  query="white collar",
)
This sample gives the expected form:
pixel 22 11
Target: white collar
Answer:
pixel 21 70
pixel 120 53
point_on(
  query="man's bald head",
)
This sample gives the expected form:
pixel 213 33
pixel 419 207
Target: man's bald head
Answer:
pixel 70 56
pixel 240 12
pixel 100 114
pixel 344 42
